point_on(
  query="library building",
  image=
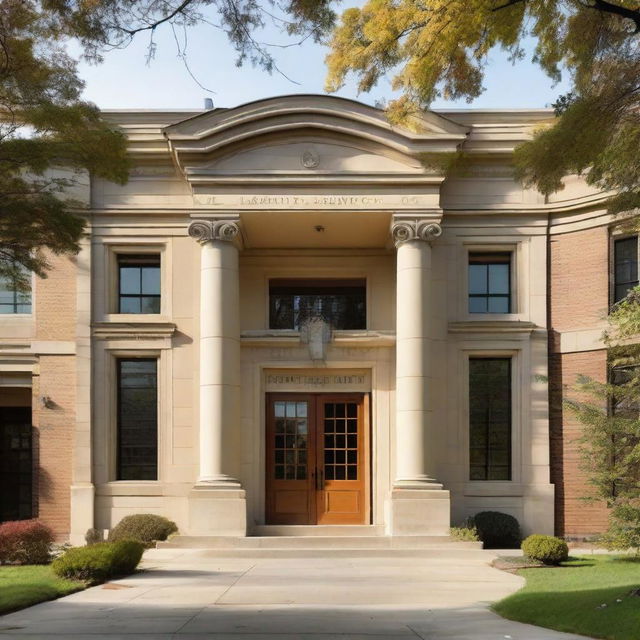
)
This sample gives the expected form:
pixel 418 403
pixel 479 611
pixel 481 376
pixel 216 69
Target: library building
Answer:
pixel 289 318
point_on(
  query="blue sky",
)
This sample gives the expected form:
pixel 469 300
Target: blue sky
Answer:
pixel 126 81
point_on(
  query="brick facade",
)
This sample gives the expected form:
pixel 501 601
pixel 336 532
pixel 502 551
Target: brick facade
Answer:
pixel 579 295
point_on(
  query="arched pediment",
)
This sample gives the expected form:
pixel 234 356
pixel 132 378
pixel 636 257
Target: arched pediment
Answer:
pixel 306 138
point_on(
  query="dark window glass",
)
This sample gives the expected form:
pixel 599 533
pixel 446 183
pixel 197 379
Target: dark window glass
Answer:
pixel 489 283
pixel 16 464
pixel 13 300
pixel 625 269
pixel 490 418
pixel 137 419
pixel 139 284
pixel 341 303
pixel 624 401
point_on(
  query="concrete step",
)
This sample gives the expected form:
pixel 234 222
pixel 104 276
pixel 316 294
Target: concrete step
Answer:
pixel 317 530
pixel 315 543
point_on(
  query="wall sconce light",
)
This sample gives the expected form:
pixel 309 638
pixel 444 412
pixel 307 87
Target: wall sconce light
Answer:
pixel 47 402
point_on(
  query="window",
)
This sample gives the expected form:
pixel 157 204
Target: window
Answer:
pixel 489 283
pixel 341 303
pixel 139 284
pixel 490 418
pixel 137 419
pixel 13 300
pixel 625 269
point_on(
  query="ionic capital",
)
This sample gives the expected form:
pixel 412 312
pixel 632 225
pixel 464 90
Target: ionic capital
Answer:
pixel 406 230
pixel 209 230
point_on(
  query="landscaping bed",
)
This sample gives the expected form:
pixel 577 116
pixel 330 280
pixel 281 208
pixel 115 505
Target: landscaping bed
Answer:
pixel 597 596
pixel 23 586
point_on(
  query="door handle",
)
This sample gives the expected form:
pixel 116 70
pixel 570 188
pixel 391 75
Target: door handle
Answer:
pixel 321 480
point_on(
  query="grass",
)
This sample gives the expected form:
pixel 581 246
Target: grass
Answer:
pixel 22 586
pixel 570 598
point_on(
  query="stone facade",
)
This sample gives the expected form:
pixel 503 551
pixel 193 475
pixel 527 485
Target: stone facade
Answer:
pixel 313 187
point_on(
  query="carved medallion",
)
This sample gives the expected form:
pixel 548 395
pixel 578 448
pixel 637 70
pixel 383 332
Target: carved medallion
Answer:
pixel 310 159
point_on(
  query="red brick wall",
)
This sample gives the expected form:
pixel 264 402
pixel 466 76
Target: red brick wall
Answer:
pixel 579 296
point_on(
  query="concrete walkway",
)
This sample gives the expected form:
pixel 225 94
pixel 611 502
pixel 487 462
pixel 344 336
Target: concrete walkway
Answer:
pixel 186 594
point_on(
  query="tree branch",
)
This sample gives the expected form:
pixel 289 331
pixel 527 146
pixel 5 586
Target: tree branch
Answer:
pixel 508 4
pixel 183 5
pixel 615 9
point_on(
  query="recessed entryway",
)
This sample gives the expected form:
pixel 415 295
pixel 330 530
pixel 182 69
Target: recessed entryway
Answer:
pixel 317 463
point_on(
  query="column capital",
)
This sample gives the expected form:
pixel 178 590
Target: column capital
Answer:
pixel 224 229
pixel 405 230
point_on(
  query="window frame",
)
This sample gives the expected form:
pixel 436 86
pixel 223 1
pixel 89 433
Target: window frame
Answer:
pixel 511 413
pixel 118 359
pixel 309 280
pixel 29 314
pixel 614 237
pixel 488 296
pixel 137 261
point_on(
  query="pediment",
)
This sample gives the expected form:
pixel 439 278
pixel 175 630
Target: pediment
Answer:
pixel 302 137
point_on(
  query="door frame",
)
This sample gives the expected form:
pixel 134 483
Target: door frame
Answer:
pixel 367 457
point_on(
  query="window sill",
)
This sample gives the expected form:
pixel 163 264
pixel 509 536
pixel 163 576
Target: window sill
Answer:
pixel 340 338
pixel 139 327
pixel 493 325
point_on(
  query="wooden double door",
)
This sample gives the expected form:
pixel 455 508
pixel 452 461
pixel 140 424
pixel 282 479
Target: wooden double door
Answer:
pixel 317 459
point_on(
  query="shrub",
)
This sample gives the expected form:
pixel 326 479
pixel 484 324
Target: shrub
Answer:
pixel 99 562
pixel 143 527
pixel 497 530
pixel 93 536
pixel 546 549
pixel 464 534
pixel 25 542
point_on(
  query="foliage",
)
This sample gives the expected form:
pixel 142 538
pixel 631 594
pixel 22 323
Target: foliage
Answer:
pixel 609 413
pixel 24 586
pixel 93 536
pixel 146 528
pixel 44 126
pixel 496 530
pixel 99 562
pixel 25 542
pixel 571 598
pixel 546 549
pixel 464 534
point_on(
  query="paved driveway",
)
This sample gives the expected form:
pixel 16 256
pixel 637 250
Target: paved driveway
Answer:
pixel 192 594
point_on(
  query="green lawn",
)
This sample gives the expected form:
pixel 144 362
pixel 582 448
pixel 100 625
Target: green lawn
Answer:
pixel 569 598
pixel 23 586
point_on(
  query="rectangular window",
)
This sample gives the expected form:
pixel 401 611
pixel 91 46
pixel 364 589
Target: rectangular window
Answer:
pixel 489 283
pixel 139 284
pixel 12 299
pixel 490 418
pixel 137 419
pixel 340 302
pixel 625 269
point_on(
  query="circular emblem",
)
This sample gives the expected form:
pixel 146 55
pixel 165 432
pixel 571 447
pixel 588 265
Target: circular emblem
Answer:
pixel 310 159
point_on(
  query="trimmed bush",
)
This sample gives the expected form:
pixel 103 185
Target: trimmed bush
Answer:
pixel 146 528
pixel 496 530
pixel 99 562
pixel 25 542
pixel 464 534
pixel 546 549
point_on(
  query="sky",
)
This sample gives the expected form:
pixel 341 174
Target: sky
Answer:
pixel 126 80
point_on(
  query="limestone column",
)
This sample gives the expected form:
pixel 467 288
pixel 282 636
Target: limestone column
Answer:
pixel 217 503
pixel 418 505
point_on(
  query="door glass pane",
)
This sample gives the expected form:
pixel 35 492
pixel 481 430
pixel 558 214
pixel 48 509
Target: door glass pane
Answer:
pixel 290 440
pixel 341 450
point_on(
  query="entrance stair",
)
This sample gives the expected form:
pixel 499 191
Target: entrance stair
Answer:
pixel 327 541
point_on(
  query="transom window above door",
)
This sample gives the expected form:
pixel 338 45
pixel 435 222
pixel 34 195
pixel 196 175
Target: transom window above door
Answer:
pixel 340 302
pixel 139 283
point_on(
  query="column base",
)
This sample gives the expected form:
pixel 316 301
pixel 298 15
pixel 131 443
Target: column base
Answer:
pixel 82 512
pixel 418 512
pixel 217 511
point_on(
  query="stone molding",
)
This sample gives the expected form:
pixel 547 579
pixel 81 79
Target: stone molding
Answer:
pixel 204 231
pixel 407 230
